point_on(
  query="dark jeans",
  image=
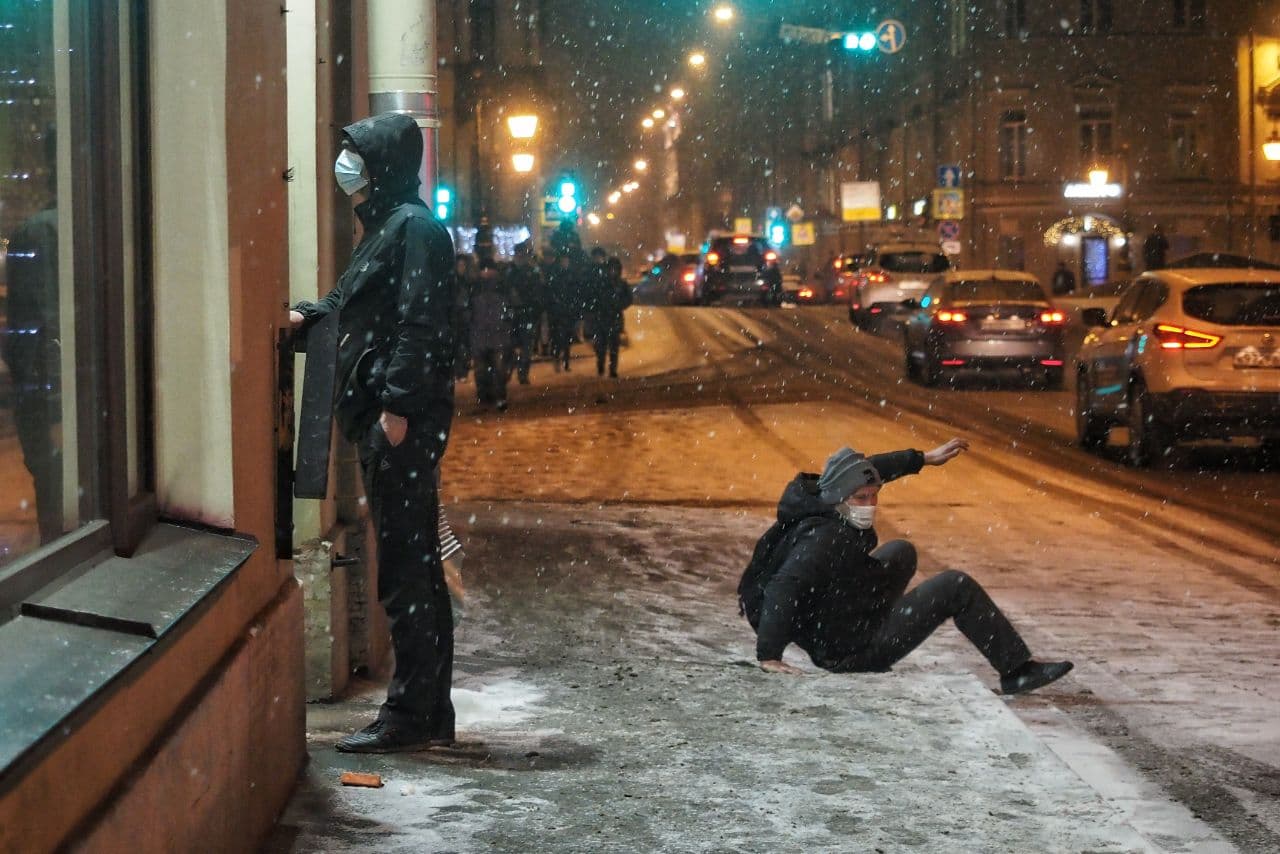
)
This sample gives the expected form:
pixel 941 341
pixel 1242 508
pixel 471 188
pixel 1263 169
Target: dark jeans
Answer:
pixel 400 484
pixel 949 595
pixel 491 375
pixel 607 340
pixel 526 338
pixel 562 331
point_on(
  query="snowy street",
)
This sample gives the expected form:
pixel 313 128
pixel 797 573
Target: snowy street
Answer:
pixel 606 689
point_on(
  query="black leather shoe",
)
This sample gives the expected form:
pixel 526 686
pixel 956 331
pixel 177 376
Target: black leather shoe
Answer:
pixel 1034 674
pixel 384 736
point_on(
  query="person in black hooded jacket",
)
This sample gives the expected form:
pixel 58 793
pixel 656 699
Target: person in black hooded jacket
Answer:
pixel 394 399
pixel 817 579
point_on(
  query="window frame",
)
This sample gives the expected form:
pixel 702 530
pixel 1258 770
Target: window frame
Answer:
pixel 1012 145
pixel 1093 117
pixel 1189 15
pixel 1015 19
pixel 1096 17
pixel 1196 162
pixel 115 517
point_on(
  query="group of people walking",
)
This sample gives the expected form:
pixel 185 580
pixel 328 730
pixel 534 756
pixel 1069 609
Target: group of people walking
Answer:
pixel 506 316
pixel 818 578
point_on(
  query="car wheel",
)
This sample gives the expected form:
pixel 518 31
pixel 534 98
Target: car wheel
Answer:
pixel 853 317
pixel 909 364
pixel 1091 431
pixel 930 370
pixel 1148 439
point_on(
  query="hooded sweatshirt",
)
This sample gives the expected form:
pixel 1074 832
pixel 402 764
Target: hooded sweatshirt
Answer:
pixel 396 339
pixel 818 586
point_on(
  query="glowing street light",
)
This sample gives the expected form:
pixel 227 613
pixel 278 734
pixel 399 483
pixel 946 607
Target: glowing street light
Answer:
pixel 723 13
pixel 1271 148
pixel 615 196
pixel 677 94
pixel 697 59
pixel 593 218
pixel 659 113
pixel 630 187
pixel 522 162
pixel 1098 176
pixel 522 127
pixel 647 124
pixel 641 165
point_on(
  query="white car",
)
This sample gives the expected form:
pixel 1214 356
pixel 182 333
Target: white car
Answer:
pixel 1185 354
pixel 897 272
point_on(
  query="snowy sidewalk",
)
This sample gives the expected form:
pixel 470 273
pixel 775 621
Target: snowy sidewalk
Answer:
pixel 605 705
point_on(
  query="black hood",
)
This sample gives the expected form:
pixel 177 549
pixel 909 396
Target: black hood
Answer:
pixel 802 500
pixel 391 145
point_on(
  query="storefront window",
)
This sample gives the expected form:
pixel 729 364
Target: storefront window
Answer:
pixel 68 371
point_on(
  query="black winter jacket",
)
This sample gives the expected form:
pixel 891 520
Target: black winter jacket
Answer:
pixel 818 586
pixel 396 340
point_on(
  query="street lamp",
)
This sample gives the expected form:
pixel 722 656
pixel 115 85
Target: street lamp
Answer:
pixel 522 162
pixel 659 113
pixel 641 165
pixel 593 218
pixel 1098 176
pixel 615 196
pixel 1271 148
pixel 723 13
pixel 522 127
pixel 697 59
pixel 647 124
pixel 677 94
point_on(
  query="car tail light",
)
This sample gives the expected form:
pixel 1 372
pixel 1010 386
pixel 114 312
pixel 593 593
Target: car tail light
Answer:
pixel 741 241
pixel 1177 338
pixel 856 306
pixel 1052 318
pixel 713 258
pixel 1051 363
pixel 875 309
pixel 837 264
pixel 838 293
pixel 690 276
pixel 877 278
pixel 806 293
pixel 771 256
pixel 953 363
pixel 952 317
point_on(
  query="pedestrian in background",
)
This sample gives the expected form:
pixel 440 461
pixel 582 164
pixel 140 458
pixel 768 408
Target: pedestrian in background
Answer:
pixel 1155 249
pixel 491 335
pixel 394 399
pixel 818 580
pixel 611 298
pixel 1064 281
pixel 465 279
pixel 563 301
pixel 525 286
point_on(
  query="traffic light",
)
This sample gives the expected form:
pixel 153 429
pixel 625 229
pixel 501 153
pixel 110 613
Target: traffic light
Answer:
pixel 775 229
pixel 444 201
pixel 864 42
pixel 568 201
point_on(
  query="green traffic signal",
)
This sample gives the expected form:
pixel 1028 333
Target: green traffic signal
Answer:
pixel 444 196
pixel 860 41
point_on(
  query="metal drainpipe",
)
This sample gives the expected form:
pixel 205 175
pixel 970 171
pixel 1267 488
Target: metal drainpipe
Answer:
pixel 402 72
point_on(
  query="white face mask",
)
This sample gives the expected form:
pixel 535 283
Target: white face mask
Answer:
pixel 857 515
pixel 349 170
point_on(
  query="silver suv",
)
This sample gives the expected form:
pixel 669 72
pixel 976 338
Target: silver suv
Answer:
pixel 1186 354
pixel 897 272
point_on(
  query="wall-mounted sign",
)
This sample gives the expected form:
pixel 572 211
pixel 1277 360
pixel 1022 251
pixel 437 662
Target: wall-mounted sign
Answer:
pixel 802 234
pixel 742 224
pixel 1092 191
pixel 948 204
pixel 859 201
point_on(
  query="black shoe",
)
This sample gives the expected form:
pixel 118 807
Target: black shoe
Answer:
pixel 384 736
pixel 502 406
pixel 1034 674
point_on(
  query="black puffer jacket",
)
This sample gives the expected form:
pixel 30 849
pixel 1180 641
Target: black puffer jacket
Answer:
pixel 812 580
pixel 396 341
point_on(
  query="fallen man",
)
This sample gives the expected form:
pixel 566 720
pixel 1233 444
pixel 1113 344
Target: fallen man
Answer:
pixel 818 580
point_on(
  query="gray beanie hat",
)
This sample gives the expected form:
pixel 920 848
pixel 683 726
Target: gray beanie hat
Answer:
pixel 846 472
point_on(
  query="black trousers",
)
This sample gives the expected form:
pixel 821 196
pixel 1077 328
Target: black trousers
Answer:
pixel 562 328
pixel 527 326
pixel 949 595
pixel 607 340
pixel 491 375
pixel 400 485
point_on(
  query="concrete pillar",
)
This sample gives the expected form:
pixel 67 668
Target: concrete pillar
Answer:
pixel 402 72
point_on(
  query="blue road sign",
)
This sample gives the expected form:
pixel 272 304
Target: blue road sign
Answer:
pixel 949 176
pixel 891 36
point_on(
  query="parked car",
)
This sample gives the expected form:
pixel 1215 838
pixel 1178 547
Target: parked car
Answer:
pixel 984 320
pixel 897 272
pixel 738 265
pixel 833 281
pixel 1186 354
pixel 680 278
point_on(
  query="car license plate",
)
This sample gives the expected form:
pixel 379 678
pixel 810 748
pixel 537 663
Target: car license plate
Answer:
pixel 1004 324
pixel 742 269
pixel 1253 357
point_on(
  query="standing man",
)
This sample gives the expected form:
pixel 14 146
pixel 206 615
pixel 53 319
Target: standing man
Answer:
pixel 524 284
pixel 563 300
pixel 1155 248
pixel 816 579
pixel 611 298
pixel 394 399
pixel 1064 281
pixel 491 336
